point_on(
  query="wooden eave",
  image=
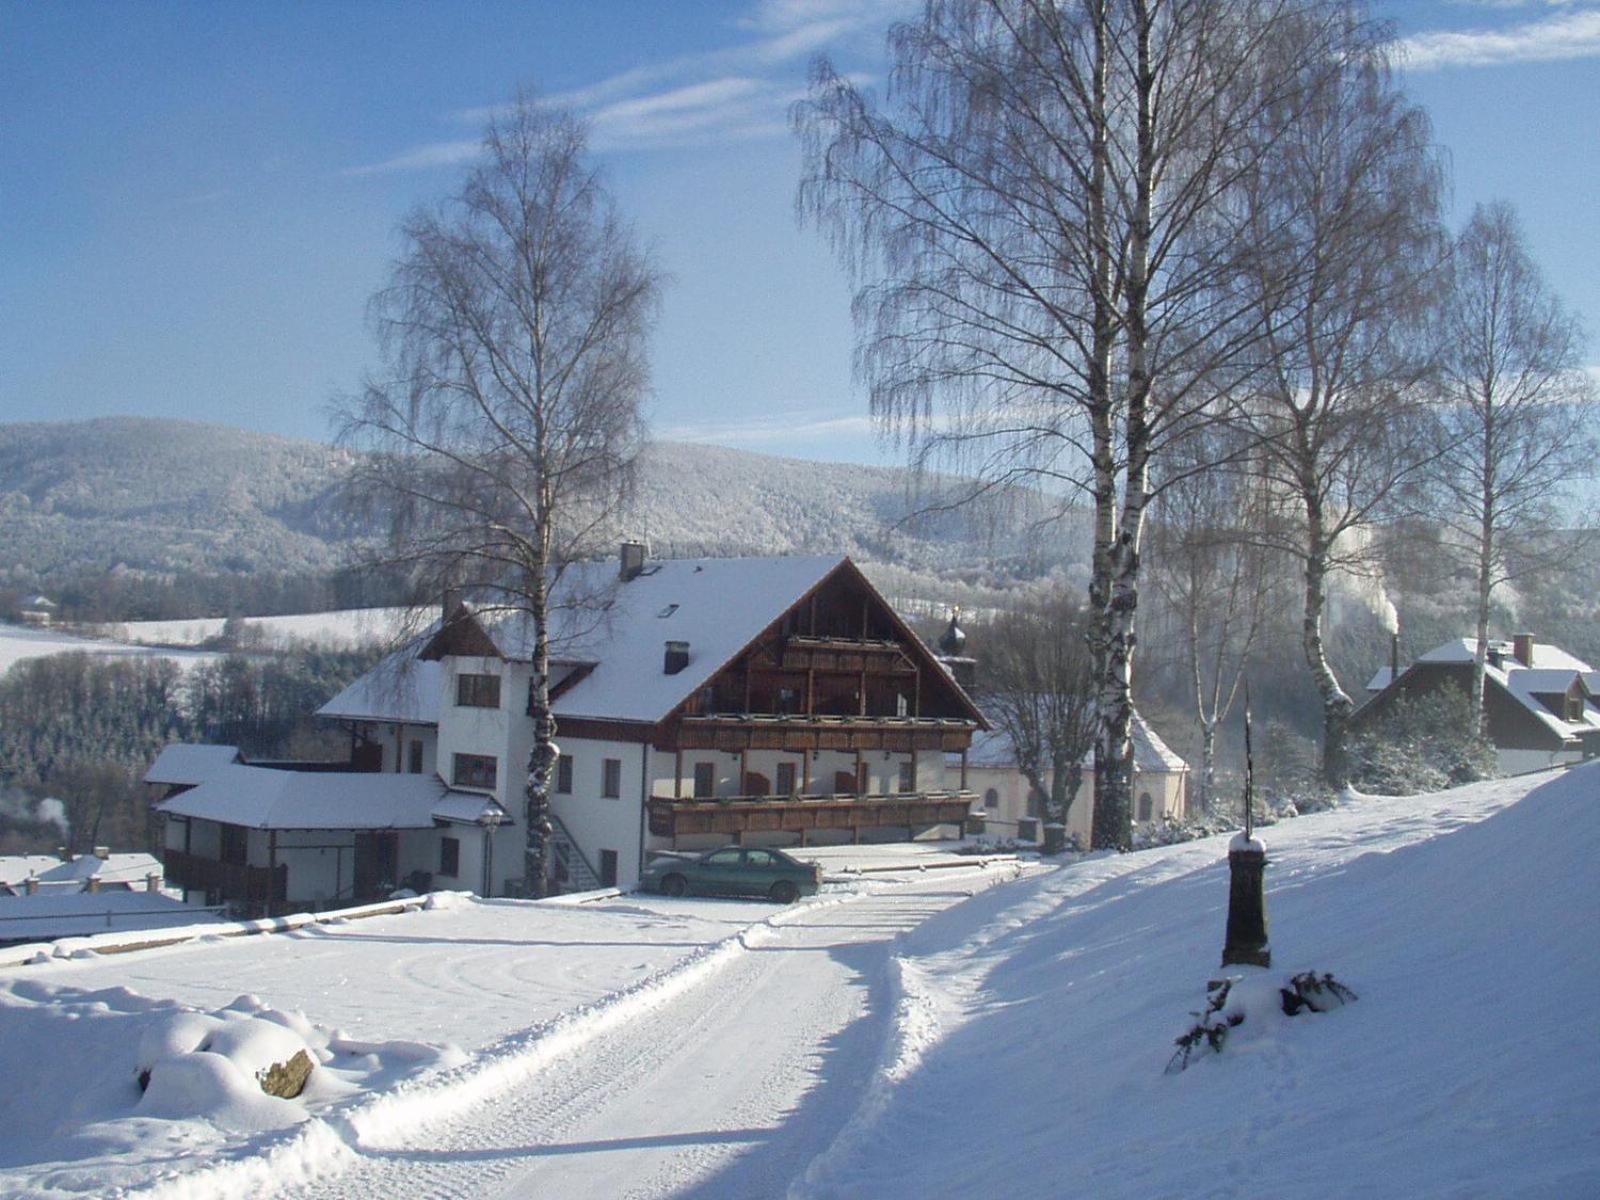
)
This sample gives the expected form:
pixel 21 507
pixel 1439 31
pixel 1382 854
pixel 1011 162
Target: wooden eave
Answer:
pixel 462 635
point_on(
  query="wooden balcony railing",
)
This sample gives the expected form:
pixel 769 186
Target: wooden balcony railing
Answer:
pixel 745 731
pixel 737 815
pixel 258 887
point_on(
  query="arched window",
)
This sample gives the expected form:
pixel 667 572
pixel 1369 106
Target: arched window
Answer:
pixel 991 798
pixel 1145 806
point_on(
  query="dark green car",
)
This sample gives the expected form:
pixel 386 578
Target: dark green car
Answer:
pixel 734 871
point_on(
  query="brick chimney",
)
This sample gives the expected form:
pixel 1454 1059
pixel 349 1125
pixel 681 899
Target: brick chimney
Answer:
pixel 31 885
pixel 152 882
pixel 1522 648
pixel 630 561
pixel 676 658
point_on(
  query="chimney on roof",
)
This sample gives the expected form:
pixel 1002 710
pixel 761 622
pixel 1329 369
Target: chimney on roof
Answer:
pixel 152 881
pixel 1394 657
pixel 102 852
pixel 1522 648
pixel 677 658
pixel 631 561
pixel 31 884
pixel 94 885
pixel 449 603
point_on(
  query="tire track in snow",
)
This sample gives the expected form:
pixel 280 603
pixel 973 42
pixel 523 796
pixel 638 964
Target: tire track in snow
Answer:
pixel 671 1096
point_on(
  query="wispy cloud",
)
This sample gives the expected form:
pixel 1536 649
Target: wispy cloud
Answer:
pixel 731 94
pixel 433 154
pixel 1567 35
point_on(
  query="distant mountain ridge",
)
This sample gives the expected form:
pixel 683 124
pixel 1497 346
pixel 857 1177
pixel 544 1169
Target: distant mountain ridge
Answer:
pixel 158 496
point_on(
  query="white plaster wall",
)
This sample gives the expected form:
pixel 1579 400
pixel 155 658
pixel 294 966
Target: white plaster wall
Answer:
pixel 321 863
pixel 387 735
pixel 1518 762
pixel 598 823
pixel 467 730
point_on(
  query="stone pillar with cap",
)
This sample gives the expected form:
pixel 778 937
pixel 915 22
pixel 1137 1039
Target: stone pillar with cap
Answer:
pixel 1246 941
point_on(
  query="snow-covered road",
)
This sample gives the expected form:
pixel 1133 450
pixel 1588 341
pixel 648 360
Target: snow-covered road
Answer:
pixel 730 1088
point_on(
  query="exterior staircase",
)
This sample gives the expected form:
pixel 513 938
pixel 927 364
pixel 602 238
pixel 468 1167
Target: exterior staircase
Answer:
pixel 574 872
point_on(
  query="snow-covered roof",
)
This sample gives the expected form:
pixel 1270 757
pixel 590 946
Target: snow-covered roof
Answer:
pixel 402 687
pixel 268 798
pixel 1545 656
pixel 1551 672
pixel 716 605
pixel 14 868
pixel 78 914
pixel 55 875
pixel 993 748
pixel 1380 679
pixel 189 764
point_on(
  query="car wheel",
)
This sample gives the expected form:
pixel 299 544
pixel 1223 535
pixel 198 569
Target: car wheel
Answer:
pixel 674 885
pixel 784 892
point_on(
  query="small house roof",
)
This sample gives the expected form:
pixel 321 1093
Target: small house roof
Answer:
pixel 77 914
pixel 402 687
pixel 1551 672
pixel 993 748
pixel 187 764
pixel 270 798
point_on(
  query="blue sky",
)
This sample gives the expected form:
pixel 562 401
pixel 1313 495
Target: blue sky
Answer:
pixel 196 199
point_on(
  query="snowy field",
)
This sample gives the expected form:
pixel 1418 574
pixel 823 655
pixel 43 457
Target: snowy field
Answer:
pixel 966 1032
pixel 21 642
pixel 179 640
pixel 342 629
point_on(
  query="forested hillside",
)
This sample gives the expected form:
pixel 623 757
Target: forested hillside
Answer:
pixel 117 505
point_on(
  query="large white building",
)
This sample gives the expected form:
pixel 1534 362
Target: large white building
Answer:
pixel 776 701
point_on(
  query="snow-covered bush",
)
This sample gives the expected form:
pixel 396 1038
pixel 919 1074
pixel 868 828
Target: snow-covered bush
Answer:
pixel 1234 998
pixel 1423 743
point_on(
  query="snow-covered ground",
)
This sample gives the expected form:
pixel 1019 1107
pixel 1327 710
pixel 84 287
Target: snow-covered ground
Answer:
pixel 971 1032
pixel 341 629
pixel 21 642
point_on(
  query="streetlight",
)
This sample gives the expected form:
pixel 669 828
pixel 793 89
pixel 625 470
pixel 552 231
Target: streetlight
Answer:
pixel 489 820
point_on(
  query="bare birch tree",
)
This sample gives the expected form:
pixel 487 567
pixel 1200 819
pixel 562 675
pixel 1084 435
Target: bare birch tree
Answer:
pixel 1041 221
pixel 1517 417
pixel 1039 687
pixel 502 438
pixel 1217 581
pixel 1345 221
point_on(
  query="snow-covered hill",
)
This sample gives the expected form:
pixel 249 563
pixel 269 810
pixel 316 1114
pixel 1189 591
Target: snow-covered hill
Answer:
pixel 972 1032
pixel 160 496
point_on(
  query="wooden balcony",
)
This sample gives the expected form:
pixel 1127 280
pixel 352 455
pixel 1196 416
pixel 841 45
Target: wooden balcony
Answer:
pixel 258 887
pixel 904 735
pixel 733 817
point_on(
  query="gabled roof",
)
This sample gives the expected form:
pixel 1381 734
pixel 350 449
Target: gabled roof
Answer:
pixel 268 798
pixel 186 764
pixel 1150 754
pixel 1551 673
pixel 608 638
pixel 716 605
